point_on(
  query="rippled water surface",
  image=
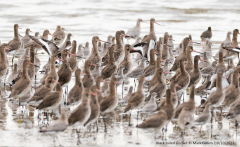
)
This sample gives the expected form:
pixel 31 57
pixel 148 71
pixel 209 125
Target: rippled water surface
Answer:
pixel 87 18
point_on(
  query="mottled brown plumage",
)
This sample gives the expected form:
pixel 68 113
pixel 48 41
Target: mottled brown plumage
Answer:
pixel 94 56
pixel 110 102
pixel 136 100
pixel 165 50
pixel 190 104
pixel 65 71
pixel 15 44
pixel 75 94
pixel 73 59
pixel 206 34
pixel 195 75
pixel 182 56
pixel 111 67
pixel 52 100
pixel 82 113
pixel 88 78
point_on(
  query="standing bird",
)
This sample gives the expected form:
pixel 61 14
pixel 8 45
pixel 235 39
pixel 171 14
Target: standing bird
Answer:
pixel 135 31
pixel 156 121
pixel 95 107
pixel 195 75
pixel 94 56
pixel 204 117
pixel 23 84
pixel 190 104
pixel 26 39
pixel 81 114
pixel 3 63
pixel 182 79
pixel 127 62
pixel 75 94
pixel 206 35
pixel 14 44
pixel 185 119
pixel 79 52
pixel 42 91
pixel 118 50
pixel 216 98
pixel 160 86
pixel 86 50
pixel 151 105
pixel 165 50
pixel 88 80
pixel 182 56
pixel 111 66
pixel 146 40
pixel 52 100
pixel 53 73
pixel 65 71
pixel 58 35
pixel 232 46
pixel 139 69
pixel 73 59
pixel 220 66
pixel 137 98
pixel 205 62
pixel 232 92
pixel 110 102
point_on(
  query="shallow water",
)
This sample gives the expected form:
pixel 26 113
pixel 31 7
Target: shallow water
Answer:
pixel 84 19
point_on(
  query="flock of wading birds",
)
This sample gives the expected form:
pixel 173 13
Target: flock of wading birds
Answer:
pixel 112 64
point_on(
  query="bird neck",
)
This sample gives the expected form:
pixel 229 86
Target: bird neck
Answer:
pixel 3 55
pixel 235 80
pixel 152 58
pixel 78 79
pixel 219 82
pixel 228 36
pixel 127 55
pixel 111 59
pixel 189 57
pixel 118 40
pixel 140 86
pixel 16 35
pixel 24 73
pixel 196 69
pixel 87 69
pixel 192 93
pixel 27 32
pixel 112 87
pixel 95 48
pixel 138 23
pixel 173 87
pixel 152 28
pixel 159 60
pixel 158 48
pixel 32 56
pixel 234 39
pixel 73 51
pixel 52 65
pixel 182 68
pixel 185 44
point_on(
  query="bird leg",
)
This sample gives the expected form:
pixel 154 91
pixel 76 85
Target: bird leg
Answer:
pixel 58 141
pixel 129 124
pixel 104 122
pixel 122 88
pixel 97 126
pixel 78 132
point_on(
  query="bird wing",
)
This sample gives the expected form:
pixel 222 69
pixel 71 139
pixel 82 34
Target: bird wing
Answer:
pixel 49 100
pixel 43 42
